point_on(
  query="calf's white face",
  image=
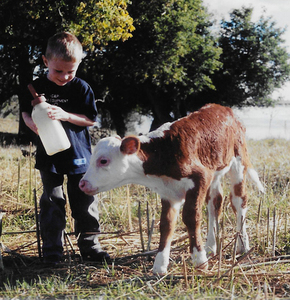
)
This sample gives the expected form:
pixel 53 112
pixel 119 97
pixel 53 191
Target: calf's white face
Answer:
pixel 109 167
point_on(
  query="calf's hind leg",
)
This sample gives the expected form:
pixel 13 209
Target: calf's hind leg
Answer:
pixel 239 202
pixel 214 201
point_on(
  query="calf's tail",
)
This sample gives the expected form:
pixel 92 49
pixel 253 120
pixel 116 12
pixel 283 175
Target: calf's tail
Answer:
pixel 253 175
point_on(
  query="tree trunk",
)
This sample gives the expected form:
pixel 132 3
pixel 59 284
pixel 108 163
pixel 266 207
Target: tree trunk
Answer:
pixel 160 112
pixel 25 72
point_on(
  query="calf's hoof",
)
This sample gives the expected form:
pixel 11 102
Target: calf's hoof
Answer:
pixel 210 251
pixel 243 245
pixel 199 259
pixel 160 264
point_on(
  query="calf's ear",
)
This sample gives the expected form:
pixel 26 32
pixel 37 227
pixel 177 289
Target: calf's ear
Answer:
pixel 130 145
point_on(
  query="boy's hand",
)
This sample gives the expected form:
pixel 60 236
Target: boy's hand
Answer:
pixel 32 126
pixel 29 122
pixel 57 113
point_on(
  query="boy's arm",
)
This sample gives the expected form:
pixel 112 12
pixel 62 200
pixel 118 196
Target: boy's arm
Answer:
pixel 57 113
pixel 29 122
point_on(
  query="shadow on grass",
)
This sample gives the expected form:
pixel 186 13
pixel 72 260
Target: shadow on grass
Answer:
pixel 13 139
pixel 7 139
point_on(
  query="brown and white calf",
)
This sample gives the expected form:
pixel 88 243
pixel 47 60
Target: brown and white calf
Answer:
pixel 184 163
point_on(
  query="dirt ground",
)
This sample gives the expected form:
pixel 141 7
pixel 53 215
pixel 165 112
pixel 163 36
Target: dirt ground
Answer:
pixel 128 263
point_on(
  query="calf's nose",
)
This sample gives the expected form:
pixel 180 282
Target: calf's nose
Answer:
pixel 83 185
pixel 87 187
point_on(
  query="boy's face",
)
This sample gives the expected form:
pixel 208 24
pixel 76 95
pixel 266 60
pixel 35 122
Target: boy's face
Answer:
pixel 60 71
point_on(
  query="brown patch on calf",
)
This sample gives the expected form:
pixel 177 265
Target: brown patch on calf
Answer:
pixel 163 157
pixel 207 198
pixel 209 137
pixel 240 191
pixel 218 204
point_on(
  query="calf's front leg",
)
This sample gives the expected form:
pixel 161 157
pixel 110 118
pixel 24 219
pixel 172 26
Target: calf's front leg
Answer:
pixel 169 215
pixel 192 217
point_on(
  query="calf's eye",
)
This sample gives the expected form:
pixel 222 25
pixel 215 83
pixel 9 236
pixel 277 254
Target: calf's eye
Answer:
pixel 102 162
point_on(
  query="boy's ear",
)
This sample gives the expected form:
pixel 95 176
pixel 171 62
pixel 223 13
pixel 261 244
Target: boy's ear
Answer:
pixel 45 60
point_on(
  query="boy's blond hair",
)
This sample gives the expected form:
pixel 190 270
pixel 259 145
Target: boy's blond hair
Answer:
pixel 65 46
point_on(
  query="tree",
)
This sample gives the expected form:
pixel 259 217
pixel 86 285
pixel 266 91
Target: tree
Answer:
pixel 25 27
pixel 254 61
pixel 171 55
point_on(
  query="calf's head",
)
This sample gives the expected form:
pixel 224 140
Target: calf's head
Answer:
pixel 111 165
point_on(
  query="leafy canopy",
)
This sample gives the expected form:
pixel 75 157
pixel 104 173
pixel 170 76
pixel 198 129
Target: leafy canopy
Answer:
pixel 25 27
pixel 166 63
pixel 171 55
pixel 173 38
pixel 255 62
pixel 99 22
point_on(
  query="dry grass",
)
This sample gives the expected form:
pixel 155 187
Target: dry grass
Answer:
pixel 9 125
pixel 262 274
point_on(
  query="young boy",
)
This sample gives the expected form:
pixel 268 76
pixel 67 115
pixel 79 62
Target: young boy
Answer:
pixel 72 102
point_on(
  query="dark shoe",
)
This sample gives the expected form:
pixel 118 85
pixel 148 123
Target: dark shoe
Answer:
pixel 52 260
pixel 95 255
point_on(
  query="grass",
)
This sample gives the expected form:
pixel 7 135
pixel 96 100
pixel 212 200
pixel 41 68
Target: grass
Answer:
pixel 263 274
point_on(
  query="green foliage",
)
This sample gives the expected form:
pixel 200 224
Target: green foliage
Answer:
pixel 165 63
pixel 254 60
pixel 171 56
pixel 99 22
pixel 177 39
pixel 25 27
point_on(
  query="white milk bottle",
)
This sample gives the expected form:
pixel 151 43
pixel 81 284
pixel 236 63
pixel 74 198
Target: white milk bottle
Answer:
pixel 51 132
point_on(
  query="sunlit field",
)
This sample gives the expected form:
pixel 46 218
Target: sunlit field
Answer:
pixel 130 223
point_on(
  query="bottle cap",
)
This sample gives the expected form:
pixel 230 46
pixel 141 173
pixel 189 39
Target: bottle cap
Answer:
pixel 37 98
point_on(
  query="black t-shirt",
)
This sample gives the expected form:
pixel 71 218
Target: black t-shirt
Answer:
pixel 74 97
